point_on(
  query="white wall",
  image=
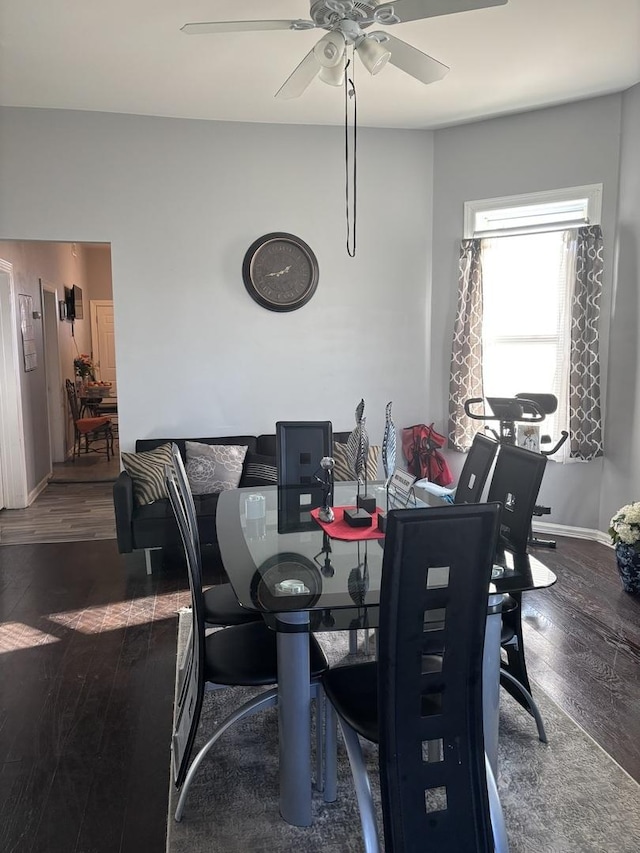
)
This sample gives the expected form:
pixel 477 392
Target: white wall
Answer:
pixel 546 149
pixel 98 270
pixel 621 480
pixel 180 202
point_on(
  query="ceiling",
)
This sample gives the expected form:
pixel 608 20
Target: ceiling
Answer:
pixel 129 56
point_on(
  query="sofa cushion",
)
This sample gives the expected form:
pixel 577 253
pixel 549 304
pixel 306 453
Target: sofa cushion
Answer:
pixel 259 470
pixel 213 468
pixel 147 471
pixel 343 471
pixel 150 443
pixel 154 525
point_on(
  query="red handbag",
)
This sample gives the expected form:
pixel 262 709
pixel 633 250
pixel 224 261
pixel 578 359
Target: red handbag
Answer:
pixel 420 445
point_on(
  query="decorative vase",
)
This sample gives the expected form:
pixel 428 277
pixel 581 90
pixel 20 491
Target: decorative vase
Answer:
pixel 628 560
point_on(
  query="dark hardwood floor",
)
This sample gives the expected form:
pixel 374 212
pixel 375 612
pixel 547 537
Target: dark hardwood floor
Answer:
pixel 87 659
pixel 582 640
pixel 87 665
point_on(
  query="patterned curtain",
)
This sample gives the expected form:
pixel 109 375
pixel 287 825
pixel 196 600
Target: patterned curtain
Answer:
pixel 585 421
pixel 466 354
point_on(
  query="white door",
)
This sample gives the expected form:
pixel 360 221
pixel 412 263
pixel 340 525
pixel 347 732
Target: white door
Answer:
pixel 103 341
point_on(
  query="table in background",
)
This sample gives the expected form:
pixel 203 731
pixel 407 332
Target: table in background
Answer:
pixel 343 583
pixel 95 406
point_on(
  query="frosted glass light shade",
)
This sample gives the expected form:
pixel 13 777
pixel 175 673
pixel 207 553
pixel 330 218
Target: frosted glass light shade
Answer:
pixel 373 54
pixel 330 49
pixel 334 76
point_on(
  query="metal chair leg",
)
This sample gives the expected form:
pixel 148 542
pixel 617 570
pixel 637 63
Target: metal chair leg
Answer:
pixel 353 641
pixel 498 827
pixel 367 646
pixel 320 751
pixel 331 753
pixel 363 789
pixel 533 708
pixel 259 703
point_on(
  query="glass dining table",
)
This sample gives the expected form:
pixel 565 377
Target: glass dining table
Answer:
pixel 282 564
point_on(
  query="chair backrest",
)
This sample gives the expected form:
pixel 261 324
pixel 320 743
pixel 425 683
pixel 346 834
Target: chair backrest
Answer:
pixel 191 683
pixel 185 493
pixel 475 470
pixel 515 483
pixel 434 596
pixel 73 400
pixel 300 445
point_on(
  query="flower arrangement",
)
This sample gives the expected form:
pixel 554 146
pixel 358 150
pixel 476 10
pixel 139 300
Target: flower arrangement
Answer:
pixel 624 527
pixel 83 366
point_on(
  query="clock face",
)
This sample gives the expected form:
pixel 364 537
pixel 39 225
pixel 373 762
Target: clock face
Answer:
pixel 280 272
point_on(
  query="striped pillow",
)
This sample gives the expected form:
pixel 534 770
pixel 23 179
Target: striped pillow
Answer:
pixel 343 470
pixel 259 470
pixel 147 470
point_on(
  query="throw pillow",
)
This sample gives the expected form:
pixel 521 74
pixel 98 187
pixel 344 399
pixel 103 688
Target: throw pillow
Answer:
pixel 259 471
pixel 213 468
pixel 343 470
pixel 147 470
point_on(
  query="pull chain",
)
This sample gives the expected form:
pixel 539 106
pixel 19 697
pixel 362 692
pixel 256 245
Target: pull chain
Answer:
pixel 350 179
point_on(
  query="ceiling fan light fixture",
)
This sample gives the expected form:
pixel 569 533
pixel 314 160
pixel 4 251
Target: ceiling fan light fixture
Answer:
pixel 334 75
pixel 374 55
pixel 330 49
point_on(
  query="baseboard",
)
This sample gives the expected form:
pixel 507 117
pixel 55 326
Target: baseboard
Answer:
pixel 573 532
pixel 42 485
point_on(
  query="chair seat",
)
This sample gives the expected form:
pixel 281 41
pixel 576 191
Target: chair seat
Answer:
pixel 84 425
pixel 506 634
pixel 246 655
pixel 221 607
pixel 353 691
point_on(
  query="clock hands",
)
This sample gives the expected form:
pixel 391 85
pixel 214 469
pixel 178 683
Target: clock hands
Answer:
pixel 279 273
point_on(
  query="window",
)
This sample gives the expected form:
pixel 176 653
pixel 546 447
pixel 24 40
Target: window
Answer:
pixel 528 269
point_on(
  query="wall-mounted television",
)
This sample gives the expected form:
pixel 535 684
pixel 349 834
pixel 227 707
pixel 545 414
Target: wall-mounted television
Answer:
pixel 74 302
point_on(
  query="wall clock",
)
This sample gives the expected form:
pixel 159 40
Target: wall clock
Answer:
pixel 280 272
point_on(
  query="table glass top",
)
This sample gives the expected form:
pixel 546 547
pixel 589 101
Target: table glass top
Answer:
pixel 269 540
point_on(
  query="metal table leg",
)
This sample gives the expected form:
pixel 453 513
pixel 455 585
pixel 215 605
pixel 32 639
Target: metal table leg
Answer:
pixel 491 680
pixel 294 717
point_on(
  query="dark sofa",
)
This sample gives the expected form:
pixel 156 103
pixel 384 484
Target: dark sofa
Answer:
pixel 153 525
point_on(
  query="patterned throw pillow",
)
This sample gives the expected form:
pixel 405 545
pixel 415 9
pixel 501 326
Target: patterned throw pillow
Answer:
pixel 213 468
pixel 259 470
pixel 343 470
pixel 147 470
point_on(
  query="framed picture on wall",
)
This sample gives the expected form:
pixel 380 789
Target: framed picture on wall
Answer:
pixel 28 334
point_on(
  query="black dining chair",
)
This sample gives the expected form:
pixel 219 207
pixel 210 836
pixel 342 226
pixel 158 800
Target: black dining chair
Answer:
pixel 515 483
pixel 422 700
pixel 240 655
pixel 473 476
pixel 300 445
pixel 221 607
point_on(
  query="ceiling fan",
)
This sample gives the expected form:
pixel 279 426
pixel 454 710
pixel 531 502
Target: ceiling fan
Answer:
pixel 346 22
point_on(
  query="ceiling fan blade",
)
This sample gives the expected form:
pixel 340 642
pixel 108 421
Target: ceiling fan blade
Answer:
pixel 244 26
pixel 412 61
pixel 414 10
pixel 300 78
